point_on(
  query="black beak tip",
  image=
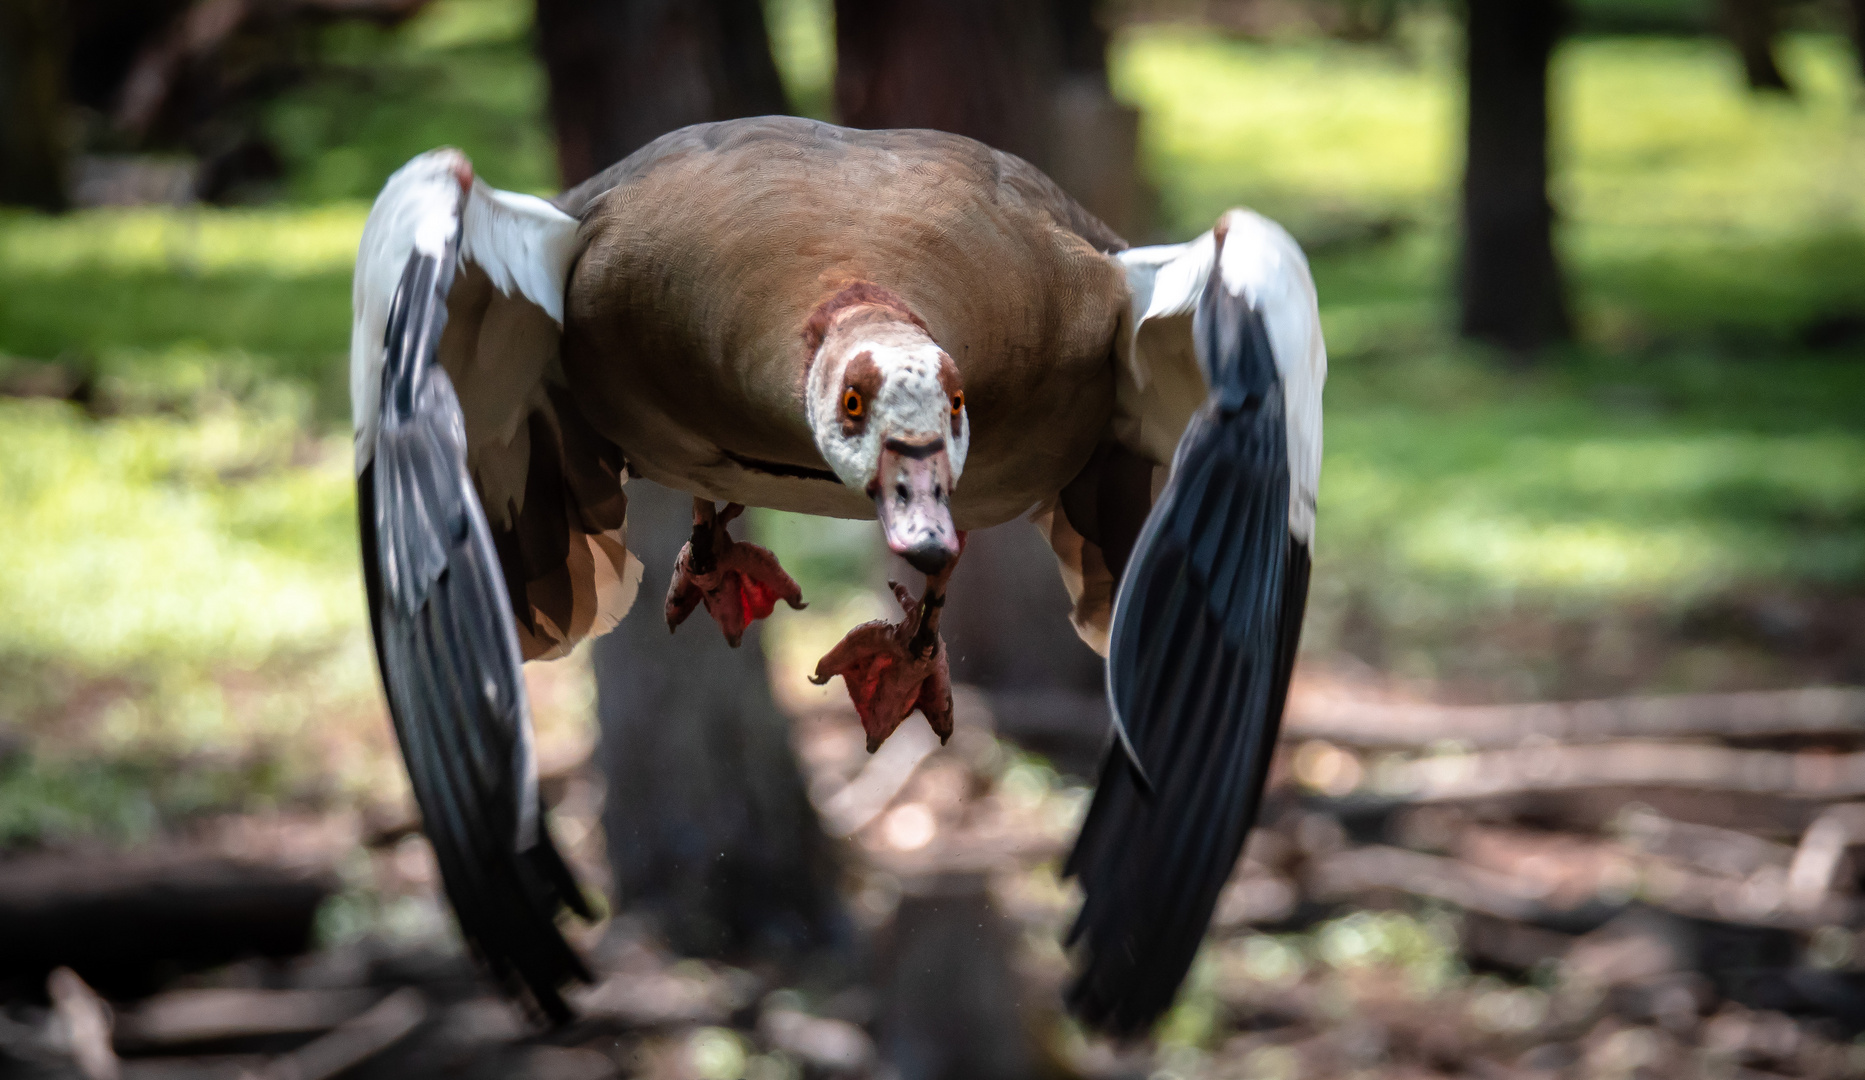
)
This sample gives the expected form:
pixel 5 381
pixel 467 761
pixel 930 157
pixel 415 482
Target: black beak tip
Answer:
pixel 929 558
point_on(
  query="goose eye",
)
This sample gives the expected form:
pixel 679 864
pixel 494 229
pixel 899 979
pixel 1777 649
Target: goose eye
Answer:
pixel 851 401
pixel 958 403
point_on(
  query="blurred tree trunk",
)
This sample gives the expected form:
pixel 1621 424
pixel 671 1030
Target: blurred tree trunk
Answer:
pixel 1028 78
pixel 623 72
pixel 32 104
pixel 709 829
pixel 1858 32
pixel 975 67
pixel 1510 285
pixel 951 1007
pixel 1752 26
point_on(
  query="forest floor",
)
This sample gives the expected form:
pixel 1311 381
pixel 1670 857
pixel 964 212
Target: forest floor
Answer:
pixel 1410 907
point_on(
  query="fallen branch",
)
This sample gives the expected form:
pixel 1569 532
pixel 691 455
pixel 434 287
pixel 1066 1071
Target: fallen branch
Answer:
pixel 1761 900
pixel 184 1017
pixel 86 1021
pixel 1727 852
pixel 882 777
pixel 1806 776
pixel 123 919
pixel 353 1041
pixel 1816 861
pixel 1432 877
pixel 1760 714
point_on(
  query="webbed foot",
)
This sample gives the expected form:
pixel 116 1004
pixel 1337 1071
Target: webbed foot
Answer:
pixel 891 669
pixel 737 581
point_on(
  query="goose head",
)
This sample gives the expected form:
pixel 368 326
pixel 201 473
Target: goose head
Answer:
pixel 887 410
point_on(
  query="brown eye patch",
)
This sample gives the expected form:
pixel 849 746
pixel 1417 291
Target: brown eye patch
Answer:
pixel 861 382
pixel 955 390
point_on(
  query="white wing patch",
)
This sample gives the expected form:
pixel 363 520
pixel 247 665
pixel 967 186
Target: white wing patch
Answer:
pixel 1159 383
pixel 523 243
pixel 1162 382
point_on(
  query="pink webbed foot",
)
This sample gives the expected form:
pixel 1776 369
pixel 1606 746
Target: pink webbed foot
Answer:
pixel 738 582
pixel 891 669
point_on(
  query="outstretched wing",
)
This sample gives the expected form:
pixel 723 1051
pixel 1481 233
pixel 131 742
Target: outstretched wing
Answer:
pixel 1209 610
pixel 439 600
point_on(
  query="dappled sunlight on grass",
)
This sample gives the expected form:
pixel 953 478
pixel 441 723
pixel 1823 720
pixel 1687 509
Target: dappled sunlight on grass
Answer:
pixel 1296 129
pixel 802 36
pixel 1650 132
pixel 1688 205
pixel 1597 556
pixel 278 242
pixel 167 300
pixel 1657 133
pixel 1507 487
pixel 457 24
pixel 179 594
pixel 152 537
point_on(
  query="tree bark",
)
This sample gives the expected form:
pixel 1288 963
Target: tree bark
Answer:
pixel 1511 287
pixel 32 105
pixel 625 72
pixel 1752 26
pixel 974 67
pixel 709 830
pixel 1027 78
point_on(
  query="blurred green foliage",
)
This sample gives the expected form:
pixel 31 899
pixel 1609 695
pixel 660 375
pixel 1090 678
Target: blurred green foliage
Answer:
pixel 461 73
pixel 177 572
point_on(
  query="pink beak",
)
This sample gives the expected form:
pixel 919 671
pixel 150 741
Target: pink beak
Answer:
pixel 913 495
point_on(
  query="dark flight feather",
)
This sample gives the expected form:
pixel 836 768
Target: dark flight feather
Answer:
pixel 1203 642
pixel 440 610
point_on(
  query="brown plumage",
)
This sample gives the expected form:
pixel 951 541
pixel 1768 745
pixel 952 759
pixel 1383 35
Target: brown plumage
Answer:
pixel 705 253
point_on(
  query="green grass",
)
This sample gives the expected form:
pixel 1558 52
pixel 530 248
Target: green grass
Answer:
pixel 177 575
pixel 183 626
pixel 173 299
pixel 225 534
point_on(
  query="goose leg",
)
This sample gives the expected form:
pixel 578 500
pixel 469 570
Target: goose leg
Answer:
pixel 891 669
pixel 738 582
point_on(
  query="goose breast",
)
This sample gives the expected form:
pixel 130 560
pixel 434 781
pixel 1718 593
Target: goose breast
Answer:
pixel 704 253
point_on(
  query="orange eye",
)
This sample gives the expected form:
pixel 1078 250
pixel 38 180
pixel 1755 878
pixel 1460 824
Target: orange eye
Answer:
pixel 851 401
pixel 958 403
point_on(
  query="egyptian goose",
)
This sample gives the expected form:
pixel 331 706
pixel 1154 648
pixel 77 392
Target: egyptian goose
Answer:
pixel 902 325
